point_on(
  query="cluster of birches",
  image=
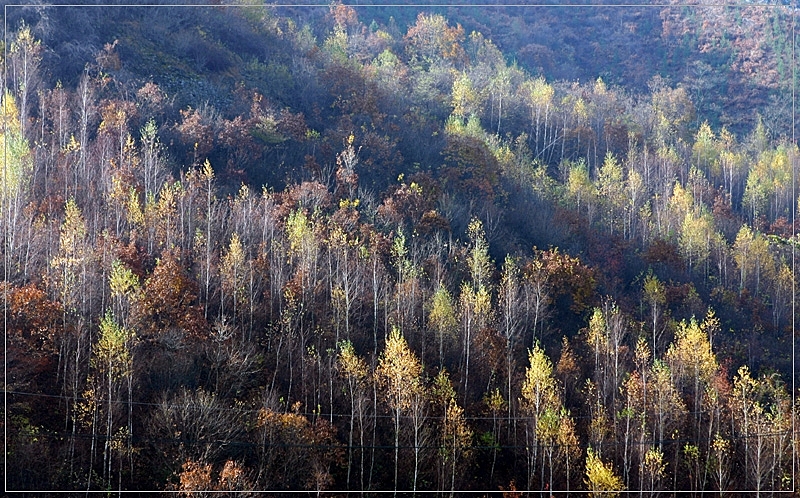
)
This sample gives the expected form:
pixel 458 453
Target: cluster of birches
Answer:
pixel 170 328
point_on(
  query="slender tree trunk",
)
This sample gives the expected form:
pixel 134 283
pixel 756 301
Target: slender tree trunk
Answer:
pixel 396 447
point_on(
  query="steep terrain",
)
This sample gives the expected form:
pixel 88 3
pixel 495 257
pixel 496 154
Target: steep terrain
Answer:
pixel 380 248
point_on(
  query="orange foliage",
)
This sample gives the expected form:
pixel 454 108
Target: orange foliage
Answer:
pixel 568 276
pixel 431 38
pixel 34 326
pixel 33 318
pixel 198 476
pixel 170 300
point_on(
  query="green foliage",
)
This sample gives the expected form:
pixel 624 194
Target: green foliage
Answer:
pixel 580 190
pixel 695 238
pixel 16 160
pixel 112 353
pixel 611 188
pixel 465 102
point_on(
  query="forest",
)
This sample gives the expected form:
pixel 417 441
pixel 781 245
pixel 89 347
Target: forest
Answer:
pixel 348 249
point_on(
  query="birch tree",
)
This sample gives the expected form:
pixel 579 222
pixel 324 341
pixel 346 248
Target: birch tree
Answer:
pixel 399 373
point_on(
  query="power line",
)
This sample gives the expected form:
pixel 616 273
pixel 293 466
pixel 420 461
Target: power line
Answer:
pixel 221 408
pixel 61 436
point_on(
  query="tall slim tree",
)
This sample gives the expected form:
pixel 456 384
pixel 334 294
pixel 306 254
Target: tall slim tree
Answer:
pixel 539 395
pixel 25 57
pixel 111 366
pixel 399 372
pixel 357 375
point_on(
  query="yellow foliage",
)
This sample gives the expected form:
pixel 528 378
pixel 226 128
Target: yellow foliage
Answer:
pixel 442 316
pixel 601 481
pixel 122 280
pixel 690 356
pixel 350 363
pixel 15 162
pixel 112 354
pixel 399 371
pixel 539 386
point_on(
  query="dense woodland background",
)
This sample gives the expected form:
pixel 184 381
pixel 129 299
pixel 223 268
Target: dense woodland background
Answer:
pixel 393 248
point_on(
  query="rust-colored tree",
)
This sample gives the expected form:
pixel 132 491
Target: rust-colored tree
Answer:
pixel 169 301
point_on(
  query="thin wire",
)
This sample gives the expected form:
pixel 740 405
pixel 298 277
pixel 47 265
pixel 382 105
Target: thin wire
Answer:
pixel 249 444
pixel 305 414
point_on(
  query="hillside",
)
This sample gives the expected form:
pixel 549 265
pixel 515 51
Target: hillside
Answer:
pixel 389 248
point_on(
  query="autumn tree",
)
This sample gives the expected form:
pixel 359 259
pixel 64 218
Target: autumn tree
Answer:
pixel 169 300
pixel 539 397
pixel 654 292
pixel 580 189
pixel 304 253
pixel 605 335
pixel 432 41
pixel 347 279
pixel 719 462
pixel 558 438
pixel 762 418
pixel 34 329
pixel 511 319
pixel 16 169
pixel 475 299
pixel 465 98
pixel 125 287
pixel 111 365
pixel 199 479
pixel 233 272
pixel 696 233
pixel 500 89
pixel 442 318
pixel 600 477
pixel 25 58
pixel 782 294
pixel 653 468
pixel 153 171
pixel 768 185
pixel 692 361
pixel 704 149
pixel 470 167
pixel 293 452
pixel 357 375
pixel 538 95
pixel 455 439
pixel 634 413
pixel 666 407
pixel 752 256
pixel 408 289
pixel 204 180
pixel 70 267
pixel 399 372
pixel 611 188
